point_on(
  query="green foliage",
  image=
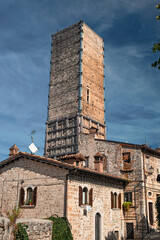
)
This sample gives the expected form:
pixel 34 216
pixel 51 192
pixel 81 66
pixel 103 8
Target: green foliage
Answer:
pixel 157 205
pixel 21 233
pixel 18 230
pixel 14 215
pixel 61 228
pixel 127 205
pixel 156 46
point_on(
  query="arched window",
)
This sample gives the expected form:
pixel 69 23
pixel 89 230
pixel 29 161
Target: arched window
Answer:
pixel 115 200
pixel 98 226
pixel 85 198
pixel 29 195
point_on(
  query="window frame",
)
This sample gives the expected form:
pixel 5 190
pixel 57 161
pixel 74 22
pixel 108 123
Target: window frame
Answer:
pixel 24 200
pixel 128 197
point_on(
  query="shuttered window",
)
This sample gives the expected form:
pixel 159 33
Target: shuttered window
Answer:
pixel 21 197
pixel 28 197
pixel 80 195
pixel 91 197
pixel 35 196
pixel 112 205
pixel 115 200
pixel 85 196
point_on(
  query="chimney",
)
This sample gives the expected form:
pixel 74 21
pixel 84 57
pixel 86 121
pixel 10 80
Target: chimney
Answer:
pixel 98 162
pixel 13 150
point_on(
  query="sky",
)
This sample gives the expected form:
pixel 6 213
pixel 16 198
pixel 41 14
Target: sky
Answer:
pixel 129 29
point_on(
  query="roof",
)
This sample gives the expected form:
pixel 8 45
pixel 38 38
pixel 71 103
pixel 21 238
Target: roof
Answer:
pixel 76 156
pixel 57 163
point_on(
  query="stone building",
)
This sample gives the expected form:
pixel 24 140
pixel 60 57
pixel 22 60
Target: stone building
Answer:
pixel 92 177
pixel 90 199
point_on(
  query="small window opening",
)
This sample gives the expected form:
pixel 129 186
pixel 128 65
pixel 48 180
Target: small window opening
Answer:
pixel 29 195
pixel 88 95
pixel 85 196
pixel 115 200
pixel 127 157
pixel 128 197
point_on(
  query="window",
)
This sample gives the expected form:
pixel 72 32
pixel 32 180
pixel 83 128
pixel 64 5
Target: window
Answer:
pixel 128 197
pixel 28 196
pixel 86 162
pixel 88 95
pixel 115 200
pixel 85 196
pixel 126 157
pixel 130 231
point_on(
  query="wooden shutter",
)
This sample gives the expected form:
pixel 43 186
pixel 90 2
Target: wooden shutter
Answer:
pixel 111 200
pixel 21 197
pixel 91 197
pixel 35 196
pixel 119 201
pixel 80 195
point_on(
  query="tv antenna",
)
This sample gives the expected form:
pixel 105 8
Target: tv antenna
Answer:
pixel 32 146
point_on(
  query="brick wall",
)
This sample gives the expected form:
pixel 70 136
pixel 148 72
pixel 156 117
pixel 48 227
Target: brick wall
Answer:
pixel 83 227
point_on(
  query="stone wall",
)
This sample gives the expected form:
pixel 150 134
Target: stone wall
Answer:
pixel 63 96
pixel 38 229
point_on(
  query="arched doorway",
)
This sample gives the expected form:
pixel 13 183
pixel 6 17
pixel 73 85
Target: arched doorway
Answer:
pixel 98 226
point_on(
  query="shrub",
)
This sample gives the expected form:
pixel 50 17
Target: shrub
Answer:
pixel 127 205
pixel 61 228
pixel 21 233
pixel 157 205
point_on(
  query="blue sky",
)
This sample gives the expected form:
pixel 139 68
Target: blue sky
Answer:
pixel 129 29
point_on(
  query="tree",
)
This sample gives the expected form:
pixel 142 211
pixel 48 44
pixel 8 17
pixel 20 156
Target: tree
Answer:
pixel 156 46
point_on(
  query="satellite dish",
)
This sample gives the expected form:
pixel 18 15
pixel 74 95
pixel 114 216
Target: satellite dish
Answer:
pixel 33 148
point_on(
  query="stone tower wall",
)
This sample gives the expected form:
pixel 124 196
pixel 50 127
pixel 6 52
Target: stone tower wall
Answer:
pixel 92 78
pixel 76 99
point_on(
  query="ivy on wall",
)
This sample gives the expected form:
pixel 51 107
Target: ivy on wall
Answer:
pixel 157 205
pixel 61 228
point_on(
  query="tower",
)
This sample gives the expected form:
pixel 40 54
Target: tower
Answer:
pixel 76 89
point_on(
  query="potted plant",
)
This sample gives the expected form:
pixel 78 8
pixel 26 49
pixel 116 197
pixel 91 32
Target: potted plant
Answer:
pixel 30 202
pixel 127 205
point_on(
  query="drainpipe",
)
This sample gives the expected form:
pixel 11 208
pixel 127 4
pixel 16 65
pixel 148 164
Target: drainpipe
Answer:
pixel 66 192
pixel 144 172
pixel 80 68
